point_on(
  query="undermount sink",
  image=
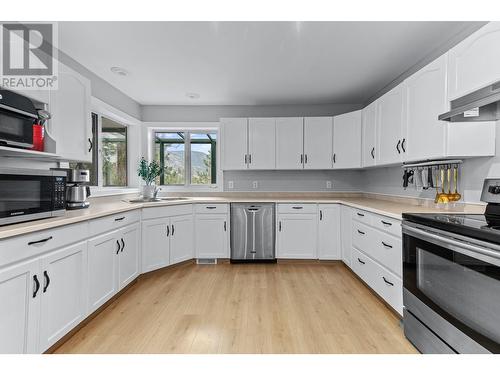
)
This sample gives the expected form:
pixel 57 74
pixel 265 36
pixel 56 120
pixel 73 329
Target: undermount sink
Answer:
pixel 160 199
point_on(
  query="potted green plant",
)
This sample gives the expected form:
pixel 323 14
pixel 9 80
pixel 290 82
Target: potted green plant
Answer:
pixel 148 172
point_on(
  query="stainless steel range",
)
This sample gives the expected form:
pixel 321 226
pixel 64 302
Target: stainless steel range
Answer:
pixel 451 279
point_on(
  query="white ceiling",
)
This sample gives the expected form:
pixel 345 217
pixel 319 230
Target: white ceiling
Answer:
pixel 252 63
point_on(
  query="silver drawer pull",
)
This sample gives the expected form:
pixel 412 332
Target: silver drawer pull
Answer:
pixel 386 245
pixel 387 281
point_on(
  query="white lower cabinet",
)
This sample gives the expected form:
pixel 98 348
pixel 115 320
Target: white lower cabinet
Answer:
pixel 329 243
pixel 19 312
pixel 113 262
pixel 62 295
pixel 297 232
pixel 212 235
pixel 345 233
pixel 181 239
pixel 155 244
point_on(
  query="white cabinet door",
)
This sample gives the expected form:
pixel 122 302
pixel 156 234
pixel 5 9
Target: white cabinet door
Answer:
pixel 368 139
pixel 473 63
pixel 181 238
pixel 234 143
pixel 297 236
pixel 128 260
pixel 289 143
pixel 102 269
pixel 211 236
pixel 63 274
pixel 71 124
pixel 318 142
pixel 329 245
pixel 425 100
pixel 155 244
pixel 261 143
pixel 389 127
pixel 20 294
pixel 347 140
pixel 346 234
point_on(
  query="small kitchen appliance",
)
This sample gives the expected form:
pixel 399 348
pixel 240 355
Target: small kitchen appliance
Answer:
pixel 77 188
pixel 451 278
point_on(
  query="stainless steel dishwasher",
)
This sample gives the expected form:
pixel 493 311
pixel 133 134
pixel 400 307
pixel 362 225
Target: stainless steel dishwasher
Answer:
pixel 252 232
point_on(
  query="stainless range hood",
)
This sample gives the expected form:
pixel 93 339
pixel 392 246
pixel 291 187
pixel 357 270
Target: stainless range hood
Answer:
pixel 480 105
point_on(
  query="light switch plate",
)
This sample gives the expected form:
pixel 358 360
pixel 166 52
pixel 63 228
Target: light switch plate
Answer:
pixel 255 184
pixel 230 184
pixel 328 184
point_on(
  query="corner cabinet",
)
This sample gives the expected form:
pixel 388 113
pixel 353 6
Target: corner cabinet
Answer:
pixel 473 63
pixel 71 125
pixel 347 140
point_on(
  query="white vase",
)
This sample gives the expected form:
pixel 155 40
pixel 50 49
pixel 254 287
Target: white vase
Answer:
pixel 148 191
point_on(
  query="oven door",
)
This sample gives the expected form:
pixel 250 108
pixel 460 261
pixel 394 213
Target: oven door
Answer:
pixel 452 285
pixel 25 197
pixel 16 129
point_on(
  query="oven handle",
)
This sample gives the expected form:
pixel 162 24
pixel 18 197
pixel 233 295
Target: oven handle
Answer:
pixel 459 246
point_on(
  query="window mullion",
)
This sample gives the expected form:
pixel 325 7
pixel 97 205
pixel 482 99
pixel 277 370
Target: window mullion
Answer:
pixel 187 158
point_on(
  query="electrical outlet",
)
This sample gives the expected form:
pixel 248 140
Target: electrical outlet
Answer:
pixel 230 184
pixel 328 184
pixel 255 184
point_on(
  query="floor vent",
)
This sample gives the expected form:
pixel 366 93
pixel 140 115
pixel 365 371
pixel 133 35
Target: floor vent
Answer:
pixel 206 261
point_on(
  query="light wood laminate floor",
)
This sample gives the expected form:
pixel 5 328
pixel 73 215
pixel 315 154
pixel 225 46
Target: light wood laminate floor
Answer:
pixel 248 308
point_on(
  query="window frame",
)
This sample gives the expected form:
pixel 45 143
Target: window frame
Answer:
pixel 187 142
pixel 100 159
pixel 192 128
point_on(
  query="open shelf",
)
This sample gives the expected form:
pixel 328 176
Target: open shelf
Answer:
pixel 26 154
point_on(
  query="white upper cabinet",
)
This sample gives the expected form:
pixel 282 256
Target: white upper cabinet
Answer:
pixel 318 139
pixel 261 143
pixel 71 124
pixel 425 100
pixel 368 139
pixel 474 63
pixel 347 140
pixel 234 143
pixel 390 119
pixel 289 143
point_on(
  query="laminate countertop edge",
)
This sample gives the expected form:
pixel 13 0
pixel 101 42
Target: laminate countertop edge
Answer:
pixel 382 207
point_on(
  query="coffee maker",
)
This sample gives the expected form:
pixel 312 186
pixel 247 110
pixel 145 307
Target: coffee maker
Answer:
pixel 77 188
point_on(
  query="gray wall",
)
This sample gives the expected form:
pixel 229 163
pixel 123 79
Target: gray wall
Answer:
pixel 305 180
pixel 161 113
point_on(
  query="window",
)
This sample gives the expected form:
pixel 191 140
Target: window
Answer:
pixel 112 155
pixel 186 158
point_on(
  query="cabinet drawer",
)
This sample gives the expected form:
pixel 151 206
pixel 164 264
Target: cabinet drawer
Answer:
pixel 362 216
pixel 211 208
pixel 297 208
pixel 389 287
pixel 111 222
pixel 363 266
pixel 34 244
pixel 167 211
pixel 362 237
pixel 392 226
pixel 387 250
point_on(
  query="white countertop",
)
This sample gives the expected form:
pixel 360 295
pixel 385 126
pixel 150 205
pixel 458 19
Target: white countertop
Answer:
pixel 104 207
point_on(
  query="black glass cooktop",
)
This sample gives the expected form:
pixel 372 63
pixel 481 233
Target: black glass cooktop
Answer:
pixel 478 226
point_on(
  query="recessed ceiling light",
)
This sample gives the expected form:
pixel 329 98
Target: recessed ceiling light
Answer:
pixel 120 71
pixel 193 95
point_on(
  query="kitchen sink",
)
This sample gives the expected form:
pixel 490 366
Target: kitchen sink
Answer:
pixel 161 199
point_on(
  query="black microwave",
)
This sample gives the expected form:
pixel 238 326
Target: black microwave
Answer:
pixel 17 116
pixel 31 194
